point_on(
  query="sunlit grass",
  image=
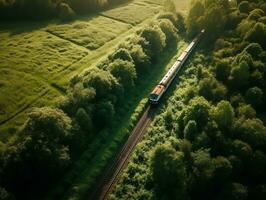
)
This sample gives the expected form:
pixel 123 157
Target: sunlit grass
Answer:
pixel 92 33
pixel 132 13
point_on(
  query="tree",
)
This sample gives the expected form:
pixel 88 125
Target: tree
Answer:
pixel 235 191
pixel 104 113
pixel 191 130
pixel 211 89
pixel 256 34
pixel 224 115
pixel 141 60
pixel 214 21
pixel 156 40
pixel 169 30
pixel 240 75
pixel 222 170
pixel 104 83
pixel 84 120
pixel 246 111
pixel 195 15
pixel 244 7
pixel 124 71
pixel 122 54
pixel 168 170
pixel 254 96
pixel 222 69
pixel 251 131
pixel 197 110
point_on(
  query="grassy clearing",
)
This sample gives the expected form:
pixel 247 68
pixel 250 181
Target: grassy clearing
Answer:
pixel 92 33
pixel 132 13
pixel 29 61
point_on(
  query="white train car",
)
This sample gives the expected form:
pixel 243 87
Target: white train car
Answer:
pixel 160 89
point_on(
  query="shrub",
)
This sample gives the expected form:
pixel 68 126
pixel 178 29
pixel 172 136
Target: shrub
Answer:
pixel 254 96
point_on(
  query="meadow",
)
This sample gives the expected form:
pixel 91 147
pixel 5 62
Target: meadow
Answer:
pixel 38 62
pixel 132 14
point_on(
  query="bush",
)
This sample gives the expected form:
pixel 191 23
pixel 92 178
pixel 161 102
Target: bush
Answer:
pixel 254 96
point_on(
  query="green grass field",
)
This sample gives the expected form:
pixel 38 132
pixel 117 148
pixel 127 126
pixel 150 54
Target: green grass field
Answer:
pixel 92 33
pixel 132 14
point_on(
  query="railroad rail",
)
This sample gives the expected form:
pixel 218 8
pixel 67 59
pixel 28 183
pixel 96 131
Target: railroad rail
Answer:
pixel 111 174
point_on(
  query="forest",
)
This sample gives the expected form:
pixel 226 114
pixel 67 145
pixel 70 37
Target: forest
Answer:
pixel 209 139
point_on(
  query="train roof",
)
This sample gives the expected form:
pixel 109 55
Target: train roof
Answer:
pixel 158 89
pixel 182 56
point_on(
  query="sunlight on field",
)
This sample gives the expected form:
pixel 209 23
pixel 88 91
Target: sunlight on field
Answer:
pixel 132 14
pixel 91 34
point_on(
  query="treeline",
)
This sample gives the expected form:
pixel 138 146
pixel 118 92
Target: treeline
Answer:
pixel 43 9
pixel 54 137
pixel 211 139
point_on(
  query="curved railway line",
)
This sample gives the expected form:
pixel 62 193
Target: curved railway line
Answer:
pixel 109 177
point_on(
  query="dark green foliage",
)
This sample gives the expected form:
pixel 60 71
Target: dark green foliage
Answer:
pixel 222 170
pixel 235 191
pixel 224 115
pixel 191 131
pixel 104 113
pixel 244 7
pixel 65 12
pixel 4 195
pixel 257 34
pixel 212 90
pixel 84 120
pixel 222 69
pixel 195 15
pixel 168 170
pixel 240 75
pixel 43 9
pixel 254 96
pixel 197 110
pixel 251 131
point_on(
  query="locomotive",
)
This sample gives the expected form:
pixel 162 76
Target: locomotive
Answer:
pixel 161 88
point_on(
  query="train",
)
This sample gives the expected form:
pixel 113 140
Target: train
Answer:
pixel 161 88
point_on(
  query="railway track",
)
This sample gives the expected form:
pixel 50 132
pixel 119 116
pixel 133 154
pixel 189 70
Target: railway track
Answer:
pixel 111 174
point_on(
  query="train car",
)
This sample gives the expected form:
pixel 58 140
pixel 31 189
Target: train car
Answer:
pixel 160 89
